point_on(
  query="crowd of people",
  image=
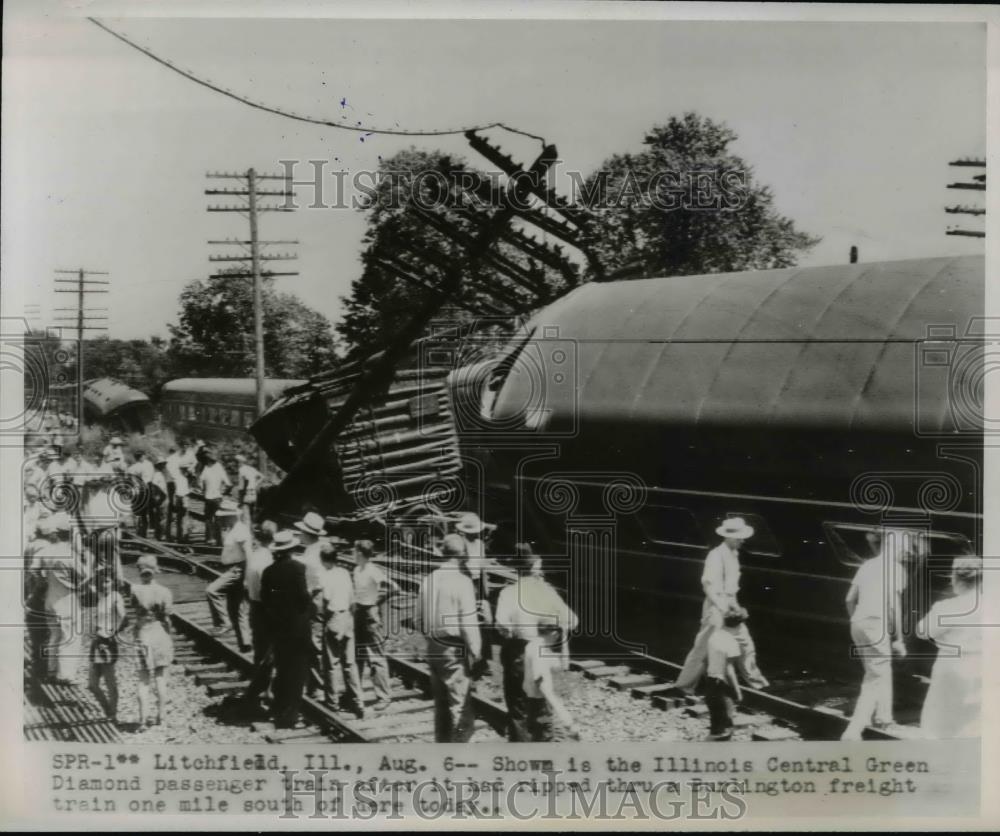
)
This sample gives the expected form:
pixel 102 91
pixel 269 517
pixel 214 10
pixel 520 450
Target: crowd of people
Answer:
pixel 308 603
pixel 315 625
pixel 724 655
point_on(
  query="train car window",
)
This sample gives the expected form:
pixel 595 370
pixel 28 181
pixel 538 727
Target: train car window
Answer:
pixel 213 414
pixel 671 526
pixel 853 543
pixel 247 418
pixel 763 541
pixel 234 417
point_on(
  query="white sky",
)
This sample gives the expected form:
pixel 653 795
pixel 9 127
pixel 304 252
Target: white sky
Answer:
pixel 105 151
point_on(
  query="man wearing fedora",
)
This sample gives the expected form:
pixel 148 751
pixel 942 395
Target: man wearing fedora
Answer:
pixel 721 582
pixel 214 481
pixel 225 593
pixel 288 612
pixel 311 528
pixel 446 613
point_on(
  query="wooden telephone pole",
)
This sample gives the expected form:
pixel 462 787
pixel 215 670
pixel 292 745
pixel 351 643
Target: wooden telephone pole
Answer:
pixel 976 184
pixel 248 264
pixel 82 315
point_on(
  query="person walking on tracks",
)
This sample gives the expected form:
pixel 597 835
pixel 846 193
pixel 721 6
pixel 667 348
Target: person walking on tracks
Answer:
pixel 524 609
pixel 721 582
pixel 874 604
pixel 371 588
pixel 214 482
pixel 337 599
pixel 953 703
pixel 152 603
pixel 447 615
pixel 225 593
pixel 289 611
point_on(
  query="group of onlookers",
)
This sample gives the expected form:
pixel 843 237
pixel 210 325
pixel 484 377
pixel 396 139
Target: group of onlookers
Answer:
pixel 314 613
pixel 315 624
pixel 724 654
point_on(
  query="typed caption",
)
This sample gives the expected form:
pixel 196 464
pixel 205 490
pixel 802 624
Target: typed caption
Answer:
pixel 440 784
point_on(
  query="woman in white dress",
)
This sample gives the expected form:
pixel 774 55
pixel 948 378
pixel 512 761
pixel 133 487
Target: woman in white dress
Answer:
pixel 952 706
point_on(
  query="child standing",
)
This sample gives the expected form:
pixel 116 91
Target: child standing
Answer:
pixel 542 701
pixel 109 618
pixel 152 603
pixel 723 688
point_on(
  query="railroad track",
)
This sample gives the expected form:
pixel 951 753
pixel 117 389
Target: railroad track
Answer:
pixel 216 663
pixel 219 665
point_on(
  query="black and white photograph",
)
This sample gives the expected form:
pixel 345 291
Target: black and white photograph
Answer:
pixel 610 378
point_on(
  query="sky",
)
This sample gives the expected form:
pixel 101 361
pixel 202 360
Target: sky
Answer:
pixel 105 151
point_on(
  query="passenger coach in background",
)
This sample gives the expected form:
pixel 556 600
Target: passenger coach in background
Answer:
pixel 216 407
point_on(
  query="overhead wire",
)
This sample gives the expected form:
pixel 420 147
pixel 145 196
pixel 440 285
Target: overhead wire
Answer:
pixel 314 120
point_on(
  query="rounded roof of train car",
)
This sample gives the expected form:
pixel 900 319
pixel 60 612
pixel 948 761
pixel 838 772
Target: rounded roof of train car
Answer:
pixel 107 394
pixel 827 347
pixel 229 385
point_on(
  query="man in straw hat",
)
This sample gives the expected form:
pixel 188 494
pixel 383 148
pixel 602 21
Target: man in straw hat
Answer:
pixel 288 613
pixel 446 614
pixel 226 591
pixel 721 582
pixel 311 529
pixel 472 529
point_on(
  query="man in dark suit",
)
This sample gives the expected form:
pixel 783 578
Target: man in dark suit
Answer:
pixel 288 612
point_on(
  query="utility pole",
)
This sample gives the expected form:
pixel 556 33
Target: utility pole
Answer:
pixel 250 192
pixel 83 286
pixel 977 184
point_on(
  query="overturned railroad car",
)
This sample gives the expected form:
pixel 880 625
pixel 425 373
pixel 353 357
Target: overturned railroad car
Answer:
pixel 107 402
pixel 829 407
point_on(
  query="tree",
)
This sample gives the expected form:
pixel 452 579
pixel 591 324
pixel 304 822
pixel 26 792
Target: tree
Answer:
pixel 688 205
pixel 214 336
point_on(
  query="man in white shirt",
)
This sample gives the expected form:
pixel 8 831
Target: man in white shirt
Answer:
pixel 447 614
pixel 225 593
pixel 213 481
pixel 175 477
pixel 721 582
pixel 874 604
pixel 523 609
pixel 337 601
pixel 371 587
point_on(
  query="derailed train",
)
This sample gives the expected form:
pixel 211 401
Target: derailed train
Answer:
pixel 825 406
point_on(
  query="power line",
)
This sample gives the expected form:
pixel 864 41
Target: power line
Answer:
pixel 314 120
